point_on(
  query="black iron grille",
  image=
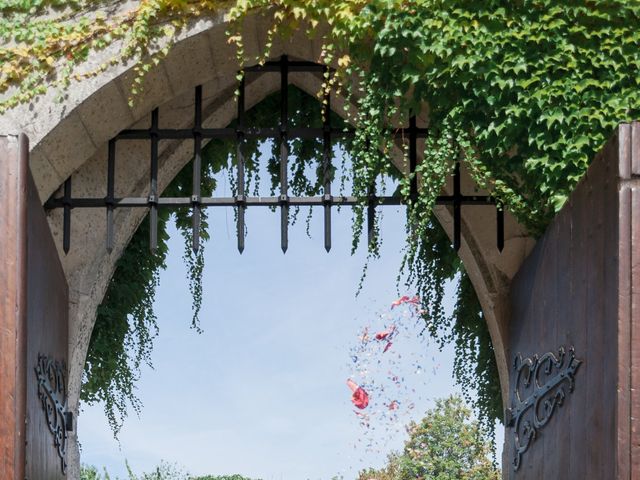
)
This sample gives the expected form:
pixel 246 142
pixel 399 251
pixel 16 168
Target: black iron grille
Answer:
pixel 241 201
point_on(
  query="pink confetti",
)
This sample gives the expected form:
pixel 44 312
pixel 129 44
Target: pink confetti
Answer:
pixel 359 397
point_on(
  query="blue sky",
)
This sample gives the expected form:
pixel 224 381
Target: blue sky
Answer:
pixel 262 391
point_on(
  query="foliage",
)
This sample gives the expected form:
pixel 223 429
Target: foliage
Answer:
pixel 522 92
pixel 525 92
pixel 164 471
pixel 125 327
pixel 223 477
pixel 122 338
pixel 446 445
pixel 48 41
pixel 89 472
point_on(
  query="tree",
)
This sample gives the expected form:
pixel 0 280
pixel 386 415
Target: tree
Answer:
pixel 448 444
pixel 164 471
pixel 223 477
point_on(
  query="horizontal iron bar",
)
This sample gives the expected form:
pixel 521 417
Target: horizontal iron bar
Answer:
pixel 133 202
pixel 292 65
pixel 176 134
pixel 231 133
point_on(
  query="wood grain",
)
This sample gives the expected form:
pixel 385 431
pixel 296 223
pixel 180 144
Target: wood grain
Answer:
pixel 13 218
pixel 47 327
pixel 580 287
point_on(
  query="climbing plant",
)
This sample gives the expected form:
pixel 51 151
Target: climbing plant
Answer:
pixel 523 92
pixel 125 327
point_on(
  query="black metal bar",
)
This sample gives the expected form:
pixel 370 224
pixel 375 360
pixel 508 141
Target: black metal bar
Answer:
pixel 371 215
pixel 111 169
pixel 205 202
pixel 253 132
pixel 413 158
pixel 293 66
pixel 66 220
pixel 153 184
pixel 457 197
pixel 500 226
pixel 197 168
pixel 326 170
pixel 284 154
pixel 283 134
pixel 240 199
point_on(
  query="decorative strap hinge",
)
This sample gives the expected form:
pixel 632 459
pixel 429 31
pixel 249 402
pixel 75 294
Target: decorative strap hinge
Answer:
pixel 541 385
pixel 52 392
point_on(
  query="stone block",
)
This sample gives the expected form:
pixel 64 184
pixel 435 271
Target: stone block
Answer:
pixel 105 113
pixel 46 177
pixel 69 145
pixel 156 90
pixel 190 63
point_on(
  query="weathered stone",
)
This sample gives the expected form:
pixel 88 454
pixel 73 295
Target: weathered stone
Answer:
pixel 69 137
pixel 104 114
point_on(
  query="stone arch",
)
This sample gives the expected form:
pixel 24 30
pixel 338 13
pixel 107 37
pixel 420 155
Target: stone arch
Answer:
pixel 69 137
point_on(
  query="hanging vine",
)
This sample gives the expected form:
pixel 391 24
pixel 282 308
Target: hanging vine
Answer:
pixel 523 92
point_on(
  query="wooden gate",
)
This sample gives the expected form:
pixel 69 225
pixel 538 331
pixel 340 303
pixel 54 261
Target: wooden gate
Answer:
pixel 574 331
pixel 33 329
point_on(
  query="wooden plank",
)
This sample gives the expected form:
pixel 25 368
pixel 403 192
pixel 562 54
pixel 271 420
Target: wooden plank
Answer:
pixel 634 320
pixel 635 148
pixel 535 456
pixel 563 334
pixel 609 301
pixel 553 321
pixel 633 317
pixel 578 271
pixel 623 311
pixel 47 327
pixel 594 261
pixel 13 185
pixel 523 302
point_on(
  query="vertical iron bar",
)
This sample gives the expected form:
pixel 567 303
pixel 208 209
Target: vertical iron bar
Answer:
pixel 500 226
pixel 111 168
pixel 457 197
pixel 66 221
pixel 326 139
pixel 197 167
pixel 371 215
pixel 413 157
pixel 240 200
pixel 284 155
pixel 153 183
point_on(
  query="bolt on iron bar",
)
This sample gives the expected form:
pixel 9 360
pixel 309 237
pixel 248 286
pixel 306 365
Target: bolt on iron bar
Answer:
pixel 283 134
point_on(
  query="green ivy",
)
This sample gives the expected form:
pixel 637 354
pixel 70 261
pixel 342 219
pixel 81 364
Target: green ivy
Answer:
pixel 523 92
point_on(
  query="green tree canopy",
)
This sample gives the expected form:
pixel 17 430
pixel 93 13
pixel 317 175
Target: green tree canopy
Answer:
pixel 164 471
pixel 448 444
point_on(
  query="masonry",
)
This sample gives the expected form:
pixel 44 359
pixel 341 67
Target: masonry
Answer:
pixel 69 139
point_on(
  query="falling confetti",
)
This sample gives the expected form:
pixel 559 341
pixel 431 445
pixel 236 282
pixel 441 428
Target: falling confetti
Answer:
pixel 359 396
pixel 392 376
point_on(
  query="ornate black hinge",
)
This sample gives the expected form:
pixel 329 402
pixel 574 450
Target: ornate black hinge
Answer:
pixel 543 379
pixel 52 392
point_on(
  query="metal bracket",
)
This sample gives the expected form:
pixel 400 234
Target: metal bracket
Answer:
pixel 52 392
pixel 544 378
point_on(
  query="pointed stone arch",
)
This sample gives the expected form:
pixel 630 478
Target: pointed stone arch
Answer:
pixel 70 137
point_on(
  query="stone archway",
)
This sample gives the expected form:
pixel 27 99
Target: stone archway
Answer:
pixel 70 138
